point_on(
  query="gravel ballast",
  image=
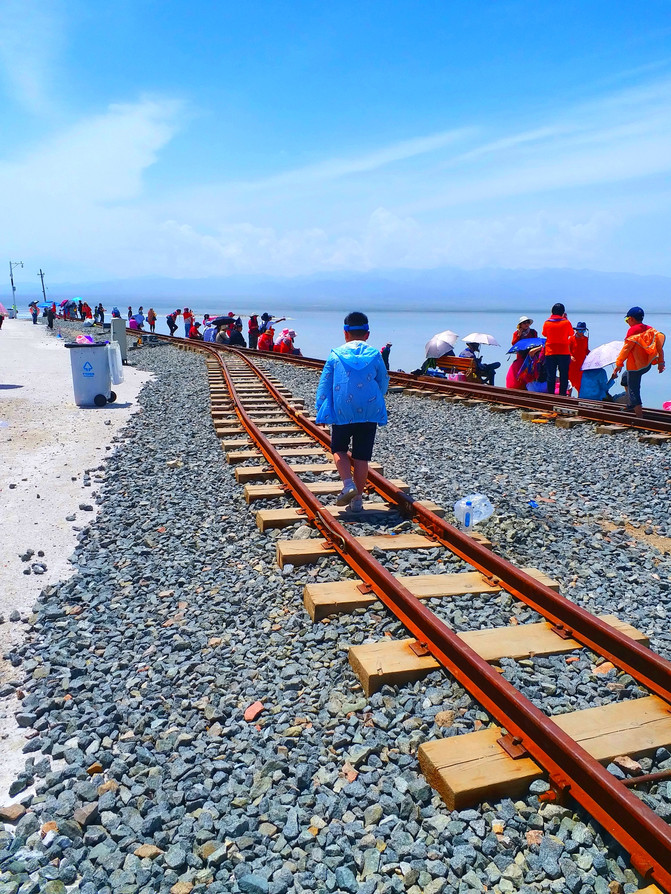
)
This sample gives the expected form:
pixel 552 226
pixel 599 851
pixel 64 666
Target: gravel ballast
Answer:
pixel 142 773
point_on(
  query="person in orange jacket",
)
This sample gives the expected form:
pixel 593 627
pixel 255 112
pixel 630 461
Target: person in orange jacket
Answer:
pixel 579 347
pixel 265 342
pixel 643 348
pixel 558 332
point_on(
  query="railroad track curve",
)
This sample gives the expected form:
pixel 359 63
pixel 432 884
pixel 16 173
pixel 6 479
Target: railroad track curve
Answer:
pixel 256 418
pixel 566 411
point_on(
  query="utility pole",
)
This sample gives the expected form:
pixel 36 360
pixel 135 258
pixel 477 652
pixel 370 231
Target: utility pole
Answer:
pixel 12 265
pixel 43 290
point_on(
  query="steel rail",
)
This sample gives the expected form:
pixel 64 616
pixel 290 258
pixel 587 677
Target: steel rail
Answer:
pixel 655 420
pixel 572 769
pixel 569 619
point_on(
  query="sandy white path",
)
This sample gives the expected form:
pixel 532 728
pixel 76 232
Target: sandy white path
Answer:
pixel 46 443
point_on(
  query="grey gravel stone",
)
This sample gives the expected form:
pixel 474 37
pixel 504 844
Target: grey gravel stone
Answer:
pixel 183 620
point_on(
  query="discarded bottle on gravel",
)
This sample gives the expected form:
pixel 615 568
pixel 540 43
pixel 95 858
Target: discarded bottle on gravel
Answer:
pixel 471 509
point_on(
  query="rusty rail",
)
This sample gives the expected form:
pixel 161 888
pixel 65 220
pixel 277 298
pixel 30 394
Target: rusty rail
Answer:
pixel 571 768
pixel 655 420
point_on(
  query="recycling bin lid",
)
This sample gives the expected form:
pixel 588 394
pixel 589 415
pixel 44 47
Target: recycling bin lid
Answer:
pixel 95 344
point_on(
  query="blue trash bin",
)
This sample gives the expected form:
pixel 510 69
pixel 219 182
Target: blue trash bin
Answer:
pixel 91 375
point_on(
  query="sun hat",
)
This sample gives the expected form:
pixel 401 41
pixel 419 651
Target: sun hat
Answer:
pixel 291 333
pixel 636 312
pixel 580 327
pixel 524 318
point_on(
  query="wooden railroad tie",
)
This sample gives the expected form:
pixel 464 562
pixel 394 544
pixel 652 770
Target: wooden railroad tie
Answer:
pixel 570 421
pixel 268 403
pixel 305 552
pixel 532 415
pixel 466 769
pixel 262 473
pixel 319 488
pixel 338 597
pixel 224 429
pixel 239 456
pixel 395 662
pixel 240 443
pixel 654 438
pixel 608 429
pixel 282 518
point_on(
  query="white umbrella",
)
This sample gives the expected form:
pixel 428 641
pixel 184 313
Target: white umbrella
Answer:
pixel 480 338
pixel 441 343
pixel 604 355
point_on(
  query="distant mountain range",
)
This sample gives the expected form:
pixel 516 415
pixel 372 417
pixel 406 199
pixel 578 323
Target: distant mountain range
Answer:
pixel 434 289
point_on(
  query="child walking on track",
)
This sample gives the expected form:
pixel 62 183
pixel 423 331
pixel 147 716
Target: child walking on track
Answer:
pixel 350 398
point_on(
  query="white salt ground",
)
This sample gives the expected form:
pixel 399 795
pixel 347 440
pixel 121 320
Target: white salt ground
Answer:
pixel 46 443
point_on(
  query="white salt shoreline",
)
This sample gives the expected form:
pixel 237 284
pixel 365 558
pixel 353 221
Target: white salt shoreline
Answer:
pixel 46 441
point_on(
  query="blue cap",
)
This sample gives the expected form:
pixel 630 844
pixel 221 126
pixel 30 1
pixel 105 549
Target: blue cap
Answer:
pixel 636 312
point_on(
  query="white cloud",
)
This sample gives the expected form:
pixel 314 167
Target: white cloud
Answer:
pixel 554 192
pixel 76 201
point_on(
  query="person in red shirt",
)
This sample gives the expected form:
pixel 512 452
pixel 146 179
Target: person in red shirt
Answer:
pixel 253 329
pixel 579 347
pixel 194 331
pixel 285 343
pixel 558 332
pixel 187 318
pixel 265 342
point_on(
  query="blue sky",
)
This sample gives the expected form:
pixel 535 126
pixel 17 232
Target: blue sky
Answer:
pixel 216 138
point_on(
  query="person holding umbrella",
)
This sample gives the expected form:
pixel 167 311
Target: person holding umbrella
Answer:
pixel 643 348
pixel 521 333
pixel 484 371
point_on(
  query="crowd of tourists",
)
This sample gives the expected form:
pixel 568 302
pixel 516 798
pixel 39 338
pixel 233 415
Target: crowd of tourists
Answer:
pixel 556 359
pixel 262 331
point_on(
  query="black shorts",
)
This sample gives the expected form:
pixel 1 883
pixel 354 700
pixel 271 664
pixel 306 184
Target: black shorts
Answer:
pixel 362 436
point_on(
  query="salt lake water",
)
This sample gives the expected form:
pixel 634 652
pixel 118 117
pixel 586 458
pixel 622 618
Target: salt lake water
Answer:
pixel 318 330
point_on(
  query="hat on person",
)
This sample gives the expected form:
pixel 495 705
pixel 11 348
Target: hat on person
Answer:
pixel 636 312
pixel 580 327
pixel 291 333
pixel 266 317
pixel 524 319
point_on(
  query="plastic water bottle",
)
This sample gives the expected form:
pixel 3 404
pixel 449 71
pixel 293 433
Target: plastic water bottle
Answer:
pixel 468 515
pixel 472 509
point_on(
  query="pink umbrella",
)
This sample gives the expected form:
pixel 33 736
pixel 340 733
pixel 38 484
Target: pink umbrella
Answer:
pixel 3 311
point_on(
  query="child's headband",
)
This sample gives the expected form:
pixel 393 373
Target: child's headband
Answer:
pixel 361 327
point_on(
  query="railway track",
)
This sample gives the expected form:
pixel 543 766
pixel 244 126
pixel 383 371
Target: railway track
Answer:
pixel 566 411
pixel 260 425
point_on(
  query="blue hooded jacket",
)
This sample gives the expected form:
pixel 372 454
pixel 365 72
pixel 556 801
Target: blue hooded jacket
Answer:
pixel 352 386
